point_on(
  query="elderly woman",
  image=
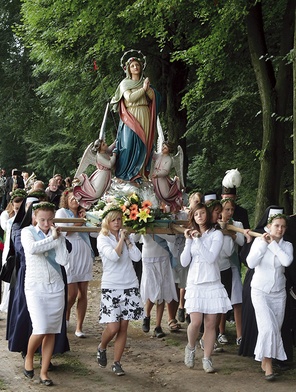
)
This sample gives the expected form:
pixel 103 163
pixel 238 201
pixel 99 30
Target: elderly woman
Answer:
pixel 269 255
pixel 120 300
pixel 135 100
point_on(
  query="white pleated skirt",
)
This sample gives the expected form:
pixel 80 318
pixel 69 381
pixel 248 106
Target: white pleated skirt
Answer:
pixel 46 311
pixel 207 298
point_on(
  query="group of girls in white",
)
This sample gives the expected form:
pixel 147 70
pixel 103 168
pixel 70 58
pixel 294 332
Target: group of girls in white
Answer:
pixel 207 253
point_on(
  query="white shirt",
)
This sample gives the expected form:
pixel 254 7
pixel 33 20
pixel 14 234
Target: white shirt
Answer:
pixel 269 261
pixel 118 271
pixel 202 255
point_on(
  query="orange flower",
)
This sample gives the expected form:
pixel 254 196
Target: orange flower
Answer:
pixel 146 204
pixel 123 207
pixel 134 207
pixel 133 215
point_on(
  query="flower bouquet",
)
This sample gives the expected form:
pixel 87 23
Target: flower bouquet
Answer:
pixel 138 214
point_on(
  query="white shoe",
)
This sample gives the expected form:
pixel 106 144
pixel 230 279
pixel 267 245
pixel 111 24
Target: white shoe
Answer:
pixel 189 358
pixel 207 365
pixel 80 334
pixel 222 339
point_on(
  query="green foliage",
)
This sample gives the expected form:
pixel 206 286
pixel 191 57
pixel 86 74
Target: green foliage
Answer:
pixel 60 65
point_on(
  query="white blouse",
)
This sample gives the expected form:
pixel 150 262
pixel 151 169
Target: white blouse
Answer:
pixel 118 271
pixel 202 255
pixel 269 261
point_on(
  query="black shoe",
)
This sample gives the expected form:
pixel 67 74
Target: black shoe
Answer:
pixel 102 358
pixel 158 332
pixel 47 382
pixel 270 377
pixel 146 325
pixel 29 373
pixel 181 315
pixel 117 369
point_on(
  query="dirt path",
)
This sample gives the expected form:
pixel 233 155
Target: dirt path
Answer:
pixel 150 364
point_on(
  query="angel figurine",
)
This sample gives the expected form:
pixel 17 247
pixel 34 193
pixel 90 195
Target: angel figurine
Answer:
pixel 87 190
pixel 168 190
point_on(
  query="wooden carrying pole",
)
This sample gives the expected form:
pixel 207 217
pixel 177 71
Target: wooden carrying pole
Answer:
pixel 172 228
pixel 176 227
pixel 240 230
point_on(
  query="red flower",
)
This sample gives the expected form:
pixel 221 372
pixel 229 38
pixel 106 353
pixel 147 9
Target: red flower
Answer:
pixel 146 204
pixel 133 215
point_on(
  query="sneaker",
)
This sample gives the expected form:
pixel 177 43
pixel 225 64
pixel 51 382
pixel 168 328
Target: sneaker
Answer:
pixel 189 358
pixel 181 315
pixel 102 358
pixel 146 324
pixel 238 341
pixel 222 339
pixel 80 334
pixel 216 348
pixel 117 369
pixel 158 332
pixel 207 365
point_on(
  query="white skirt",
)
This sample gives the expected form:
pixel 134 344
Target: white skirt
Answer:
pixel 80 266
pixel 46 311
pixel 207 298
pixel 237 287
pixel 269 311
pixel 157 282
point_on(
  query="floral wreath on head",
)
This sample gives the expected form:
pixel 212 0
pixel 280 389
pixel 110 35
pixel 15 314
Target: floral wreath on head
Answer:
pixel 226 199
pixel 18 193
pixel 125 61
pixel 109 209
pixel 276 216
pixel 213 203
pixel 43 205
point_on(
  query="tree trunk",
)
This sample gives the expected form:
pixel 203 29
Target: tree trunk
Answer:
pixel 294 113
pixel 266 83
pixel 176 81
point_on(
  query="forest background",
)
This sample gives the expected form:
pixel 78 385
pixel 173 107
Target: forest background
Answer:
pixel 224 69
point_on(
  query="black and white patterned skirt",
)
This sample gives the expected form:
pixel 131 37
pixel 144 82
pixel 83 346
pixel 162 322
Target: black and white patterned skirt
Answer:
pixel 117 304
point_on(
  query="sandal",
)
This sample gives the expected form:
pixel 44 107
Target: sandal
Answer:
pixel 174 325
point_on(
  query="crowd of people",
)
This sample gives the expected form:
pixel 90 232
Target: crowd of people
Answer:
pixel 197 275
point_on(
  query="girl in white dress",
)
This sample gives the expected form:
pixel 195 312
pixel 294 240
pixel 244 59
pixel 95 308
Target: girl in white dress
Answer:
pixel 205 294
pixel 45 251
pixel 269 255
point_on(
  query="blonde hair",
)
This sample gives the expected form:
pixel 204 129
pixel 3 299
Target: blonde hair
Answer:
pixel 108 218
